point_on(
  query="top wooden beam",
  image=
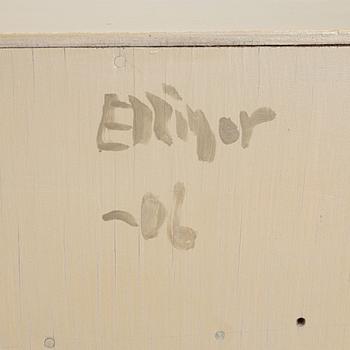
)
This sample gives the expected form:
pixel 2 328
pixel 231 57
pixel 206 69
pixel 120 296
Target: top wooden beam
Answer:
pixel 191 39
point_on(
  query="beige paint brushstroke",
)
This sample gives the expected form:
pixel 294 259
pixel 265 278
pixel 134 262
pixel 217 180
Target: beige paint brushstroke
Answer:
pixel 120 215
pixel 142 123
pixel 181 237
pixel 117 126
pixel 181 126
pixel 171 91
pixel 206 142
pixel 153 215
pixel 162 115
pixel 261 115
pixel 110 102
pixel 110 123
pixel 228 131
pixel 120 104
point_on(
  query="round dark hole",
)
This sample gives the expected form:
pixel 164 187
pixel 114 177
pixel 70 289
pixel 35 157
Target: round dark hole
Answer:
pixel 301 322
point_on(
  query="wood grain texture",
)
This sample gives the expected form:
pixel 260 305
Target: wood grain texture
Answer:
pixel 271 219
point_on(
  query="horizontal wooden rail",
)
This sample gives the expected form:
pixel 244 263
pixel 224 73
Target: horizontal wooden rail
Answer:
pixel 291 38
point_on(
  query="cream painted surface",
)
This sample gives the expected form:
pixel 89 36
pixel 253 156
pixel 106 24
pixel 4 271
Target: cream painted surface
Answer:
pixel 169 16
pixel 271 219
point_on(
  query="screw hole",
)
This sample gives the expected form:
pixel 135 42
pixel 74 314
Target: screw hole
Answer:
pixel 301 322
pixel 49 342
pixel 220 335
pixel 119 61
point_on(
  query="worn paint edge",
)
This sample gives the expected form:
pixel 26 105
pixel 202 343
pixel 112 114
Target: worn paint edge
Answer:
pixel 190 39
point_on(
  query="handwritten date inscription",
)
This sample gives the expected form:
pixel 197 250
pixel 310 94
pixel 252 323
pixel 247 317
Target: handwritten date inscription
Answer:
pixel 143 123
pixel 153 215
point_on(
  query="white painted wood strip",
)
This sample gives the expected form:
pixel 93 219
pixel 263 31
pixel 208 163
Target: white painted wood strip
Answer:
pixel 249 38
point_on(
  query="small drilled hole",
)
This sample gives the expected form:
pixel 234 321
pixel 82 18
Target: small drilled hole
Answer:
pixel 301 322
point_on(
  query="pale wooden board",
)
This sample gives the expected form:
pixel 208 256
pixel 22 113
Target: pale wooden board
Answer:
pixel 166 15
pixel 272 219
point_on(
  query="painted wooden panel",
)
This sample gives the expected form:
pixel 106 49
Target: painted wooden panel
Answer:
pixel 175 198
pixel 108 16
